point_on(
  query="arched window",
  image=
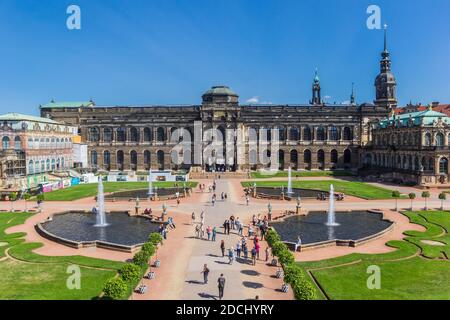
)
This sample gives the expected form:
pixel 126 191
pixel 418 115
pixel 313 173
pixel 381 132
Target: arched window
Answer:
pixel 107 159
pixel 443 166
pixel 120 160
pixel 347 156
pixel 294 134
pixel 31 167
pixel 134 135
pixel 107 135
pixel 307 156
pixel 348 135
pixel 30 143
pixel 320 134
pixel 48 165
pixel 147 135
pixel 160 159
pixel 42 166
pixel 427 140
pixel 5 143
pixel 53 165
pixel 307 134
pixel 280 159
pixel 133 160
pixel 439 140
pixel 121 134
pixel 147 160
pixel 333 135
pixel 294 159
pixel 94 159
pixel 334 156
pixel 36 167
pixel 160 135
pixel 281 133
pixel 320 156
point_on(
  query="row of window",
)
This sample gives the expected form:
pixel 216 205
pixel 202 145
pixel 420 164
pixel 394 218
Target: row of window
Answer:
pixel 307 156
pixel 406 162
pixel 48 165
pixel 410 139
pixel 49 143
pixel 133 134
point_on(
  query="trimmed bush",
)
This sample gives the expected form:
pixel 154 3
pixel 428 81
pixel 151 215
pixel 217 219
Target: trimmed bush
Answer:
pixel 278 247
pixel 272 237
pixel 155 238
pixel 292 273
pixel 286 257
pixel 303 289
pixel 115 288
pixel 141 258
pixel 130 273
pixel 149 248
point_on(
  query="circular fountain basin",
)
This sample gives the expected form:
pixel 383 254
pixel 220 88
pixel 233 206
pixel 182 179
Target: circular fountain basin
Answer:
pixel 353 228
pixel 129 195
pixel 78 229
pixel 272 192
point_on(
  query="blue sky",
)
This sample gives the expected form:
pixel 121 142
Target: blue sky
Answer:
pixel 171 51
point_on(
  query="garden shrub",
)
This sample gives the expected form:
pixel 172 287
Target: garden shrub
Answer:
pixel 155 238
pixel 272 237
pixel 130 273
pixel 303 289
pixel 286 257
pixel 141 258
pixel 149 248
pixel 278 247
pixel 115 288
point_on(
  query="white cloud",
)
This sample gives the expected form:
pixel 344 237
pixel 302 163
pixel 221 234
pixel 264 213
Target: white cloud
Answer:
pixel 253 100
pixel 327 97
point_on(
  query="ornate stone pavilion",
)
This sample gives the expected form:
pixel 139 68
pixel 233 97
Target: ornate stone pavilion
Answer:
pixel 32 147
pixel 410 148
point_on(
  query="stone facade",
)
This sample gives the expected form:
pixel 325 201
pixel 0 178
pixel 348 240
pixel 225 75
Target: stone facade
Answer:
pixel 410 148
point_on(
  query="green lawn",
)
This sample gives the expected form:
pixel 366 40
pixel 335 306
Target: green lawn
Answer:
pixel 357 189
pixel 90 190
pixel 295 174
pixel 28 276
pixel 413 271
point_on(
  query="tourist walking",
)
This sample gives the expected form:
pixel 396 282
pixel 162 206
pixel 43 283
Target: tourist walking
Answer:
pixel 267 253
pixel 257 247
pixel 193 217
pixel 247 200
pixel 197 231
pixel 205 272
pixel 250 231
pixel 254 256
pixel 221 285
pixel 245 251
pixel 238 249
pixel 231 255
pixel 222 247
pixel 209 232
pixel 214 234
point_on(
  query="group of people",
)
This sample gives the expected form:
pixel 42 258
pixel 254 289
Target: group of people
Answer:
pixel 339 196
pixel 233 224
pixel 241 250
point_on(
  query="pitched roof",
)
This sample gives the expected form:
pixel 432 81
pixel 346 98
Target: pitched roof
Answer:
pixel 426 117
pixel 23 117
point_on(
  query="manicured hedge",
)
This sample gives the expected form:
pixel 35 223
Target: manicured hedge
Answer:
pixel 303 289
pixel 115 288
pixel 130 272
pixel 155 238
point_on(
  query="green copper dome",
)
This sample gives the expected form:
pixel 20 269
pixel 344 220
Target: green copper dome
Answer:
pixel 220 91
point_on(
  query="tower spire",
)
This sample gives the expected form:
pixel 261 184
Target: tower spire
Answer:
pixel 385 37
pixel 352 97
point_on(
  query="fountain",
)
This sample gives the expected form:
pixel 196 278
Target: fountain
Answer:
pixel 150 184
pixel 289 191
pixel 101 217
pixel 331 222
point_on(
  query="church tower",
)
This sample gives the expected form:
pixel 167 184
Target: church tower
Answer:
pixel 385 83
pixel 316 98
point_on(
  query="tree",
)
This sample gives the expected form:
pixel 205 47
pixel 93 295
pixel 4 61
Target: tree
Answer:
pixel 12 198
pixel 412 196
pixel 426 195
pixel 442 197
pixel 115 288
pixel 26 197
pixel 396 195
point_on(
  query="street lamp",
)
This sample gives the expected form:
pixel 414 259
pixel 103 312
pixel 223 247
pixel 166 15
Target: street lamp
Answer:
pixel 269 207
pixel 298 204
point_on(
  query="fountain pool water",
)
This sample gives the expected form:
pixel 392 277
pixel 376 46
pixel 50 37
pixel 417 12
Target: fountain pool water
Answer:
pixel 101 216
pixel 331 221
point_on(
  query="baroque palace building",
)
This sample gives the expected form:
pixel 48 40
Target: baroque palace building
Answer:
pixel 312 136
